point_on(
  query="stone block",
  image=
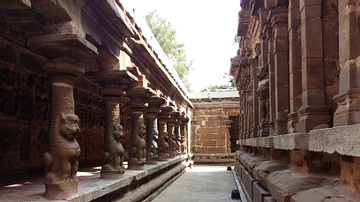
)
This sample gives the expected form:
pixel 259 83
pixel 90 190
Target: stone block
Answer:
pixel 313 97
pixel 311 39
pixel 348 45
pixel 259 193
pixel 283 184
pixel 262 171
pixel 337 139
pixel 249 161
pixel 247 182
pixel 326 193
pixel 312 73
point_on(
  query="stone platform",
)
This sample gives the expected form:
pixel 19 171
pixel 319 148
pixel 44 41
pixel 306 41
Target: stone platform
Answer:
pixel 134 184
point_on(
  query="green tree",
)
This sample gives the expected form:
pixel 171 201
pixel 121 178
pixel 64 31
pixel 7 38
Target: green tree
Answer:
pixel 166 36
pixel 213 88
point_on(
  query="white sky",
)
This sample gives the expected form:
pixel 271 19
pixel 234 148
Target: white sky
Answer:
pixel 206 28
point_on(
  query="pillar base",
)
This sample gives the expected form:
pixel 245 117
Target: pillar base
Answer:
pixel 111 175
pixel 62 190
pixel 151 160
pixel 133 167
pixel 314 117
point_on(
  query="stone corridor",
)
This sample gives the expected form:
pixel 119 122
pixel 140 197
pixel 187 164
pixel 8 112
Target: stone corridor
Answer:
pixel 201 183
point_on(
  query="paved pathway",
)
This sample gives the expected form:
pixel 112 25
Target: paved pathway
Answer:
pixel 201 183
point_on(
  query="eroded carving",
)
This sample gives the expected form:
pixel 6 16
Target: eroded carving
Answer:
pixel 61 163
pixel 137 150
pixel 114 157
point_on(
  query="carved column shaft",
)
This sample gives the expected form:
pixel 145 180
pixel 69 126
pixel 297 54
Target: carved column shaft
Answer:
pixel 113 157
pixel 138 144
pixel 61 162
pixel 171 137
pixel 177 136
pixel 163 146
pixel 113 94
pixel 152 134
pixel 184 134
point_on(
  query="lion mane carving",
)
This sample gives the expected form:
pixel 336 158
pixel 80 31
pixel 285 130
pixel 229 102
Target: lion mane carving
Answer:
pixel 61 163
pixel 114 158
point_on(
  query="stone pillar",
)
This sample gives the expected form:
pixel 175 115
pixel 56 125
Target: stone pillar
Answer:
pixel 278 19
pixel 262 90
pixel 227 136
pixel 137 153
pixel 177 135
pixel 184 134
pixel 163 146
pixel 314 111
pixel 152 133
pixel 348 111
pixel 61 162
pixel 255 98
pixel 171 133
pixel 113 95
pixel 294 65
pixel 267 30
pixel 113 157
pixel 64 51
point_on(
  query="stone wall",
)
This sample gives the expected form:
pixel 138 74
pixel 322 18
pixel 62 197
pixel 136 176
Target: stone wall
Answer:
pixel 212 120
pixel 296 73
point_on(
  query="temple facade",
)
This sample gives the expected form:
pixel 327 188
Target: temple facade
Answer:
pixel 297 75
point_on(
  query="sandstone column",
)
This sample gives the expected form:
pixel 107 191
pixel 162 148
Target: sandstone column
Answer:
pixel 152 133
pixel 294 65
pixel 314 111
pixel 65 51
pixel 61 162
pixel 113 95
pixel 278 18
pixel 171 133
pixel 137 153
pixel 348 111
pixel 267 30
pixel 177 135
pixel 163 146
pixel 184 133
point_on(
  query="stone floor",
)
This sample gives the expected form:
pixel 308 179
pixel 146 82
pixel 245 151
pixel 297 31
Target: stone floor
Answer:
pixel 201 183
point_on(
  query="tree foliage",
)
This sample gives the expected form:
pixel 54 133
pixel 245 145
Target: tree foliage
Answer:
pixel 230 85
pixel 166 36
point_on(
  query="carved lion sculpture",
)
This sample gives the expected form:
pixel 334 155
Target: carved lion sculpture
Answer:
pixel 114 158
pixel 137 151
pixel 163 146
pixel 61 163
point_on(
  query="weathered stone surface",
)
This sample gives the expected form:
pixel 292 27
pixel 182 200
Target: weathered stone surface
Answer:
pixel 326 193
pixel 283 184
pixel 338 139
pixel 265 168
pixel 250 161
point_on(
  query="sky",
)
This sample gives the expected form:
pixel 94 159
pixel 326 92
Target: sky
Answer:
pixel 206 28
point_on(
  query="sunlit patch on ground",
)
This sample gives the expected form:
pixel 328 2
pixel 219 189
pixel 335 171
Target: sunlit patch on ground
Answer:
pixel 204 168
